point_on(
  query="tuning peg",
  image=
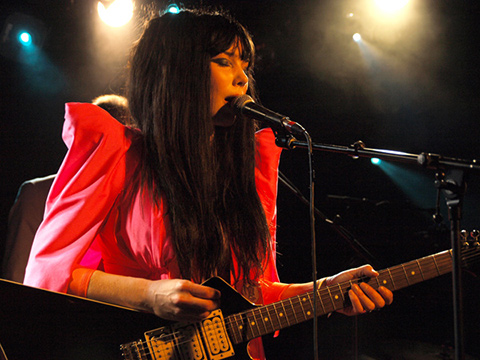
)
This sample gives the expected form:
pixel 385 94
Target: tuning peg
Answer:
pixel 475 234
pixel 464 238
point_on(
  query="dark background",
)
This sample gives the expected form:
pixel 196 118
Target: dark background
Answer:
pixel 412 86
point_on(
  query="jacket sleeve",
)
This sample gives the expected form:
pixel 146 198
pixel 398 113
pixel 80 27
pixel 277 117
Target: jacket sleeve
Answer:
pixel 85 189
pixel 266 176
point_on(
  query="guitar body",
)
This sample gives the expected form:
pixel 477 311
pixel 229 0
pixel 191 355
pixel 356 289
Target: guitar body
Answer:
pixel 45 325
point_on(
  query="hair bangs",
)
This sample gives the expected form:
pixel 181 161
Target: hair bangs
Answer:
pixel 227 32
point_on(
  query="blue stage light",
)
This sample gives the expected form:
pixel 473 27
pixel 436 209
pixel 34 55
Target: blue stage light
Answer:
pixel 25 38
pixel 375 161
pixel 173 9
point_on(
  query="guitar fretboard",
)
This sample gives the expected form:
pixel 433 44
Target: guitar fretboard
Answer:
pixel 267 319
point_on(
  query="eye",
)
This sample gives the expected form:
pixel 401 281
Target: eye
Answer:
pixel 222 62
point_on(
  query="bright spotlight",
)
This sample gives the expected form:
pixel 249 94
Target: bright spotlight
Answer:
pixel 357 37
pixel 375 161
pixel 173 9
pixel 25 38
pixel 117 14
pixel 391 6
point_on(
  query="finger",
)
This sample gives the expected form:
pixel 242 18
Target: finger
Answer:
pixel 386 294
pixel 200 291
pixel 188 302
pixel 356 303
pixel 373 295
pixel 366 302
pixel 185 307
pixel 367 270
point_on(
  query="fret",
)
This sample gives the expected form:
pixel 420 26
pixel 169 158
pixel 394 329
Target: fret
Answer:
pixel 267 320
pixel 391 278
pixel 449 256
pixel 341 293
pixel 436 266
pixel 383 277
pixel 331 298
pixel 300 310
pixel 260 320
pixel 239 329
pixel 287 318
pixel 252 324
pixel 429 267
pixel 413 275
pixel 279 322
pixel 293 310
pixel 420 268
pixel 309 296
pixel 398 276
pixel 319 298
pixel 280 311
pixel 285 315
pixel 406 276
pixel 338 299
pixel 302 299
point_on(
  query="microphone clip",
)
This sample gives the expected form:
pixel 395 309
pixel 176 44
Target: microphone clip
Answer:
pixel 284 139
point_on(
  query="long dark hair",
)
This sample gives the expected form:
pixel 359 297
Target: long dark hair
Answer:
pixel 209 185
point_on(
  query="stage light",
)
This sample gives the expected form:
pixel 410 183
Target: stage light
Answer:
pixel 357 37
pixel 22 37
pixel 391 6
pixel 25 38
pixel 117 13
pixel 375 161
pixel 173 9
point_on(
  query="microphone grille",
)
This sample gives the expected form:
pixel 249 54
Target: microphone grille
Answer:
pixel 239 102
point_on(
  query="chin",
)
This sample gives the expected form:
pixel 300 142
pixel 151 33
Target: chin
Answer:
pixel 225 117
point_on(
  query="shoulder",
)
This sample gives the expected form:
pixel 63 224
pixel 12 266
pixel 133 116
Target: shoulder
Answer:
pixel 34 188
pixel 89 117
pixel 267 150
pixel 86 122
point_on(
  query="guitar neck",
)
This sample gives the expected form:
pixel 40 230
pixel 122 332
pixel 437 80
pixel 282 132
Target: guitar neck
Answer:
pixel 263 320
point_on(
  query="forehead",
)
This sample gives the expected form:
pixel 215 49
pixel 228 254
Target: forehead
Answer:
pixel 236 51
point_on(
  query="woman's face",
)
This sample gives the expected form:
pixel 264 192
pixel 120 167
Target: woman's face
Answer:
pixel 228 80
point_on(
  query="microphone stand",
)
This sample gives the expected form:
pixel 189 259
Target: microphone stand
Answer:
pixel 341 230
pixel 450 179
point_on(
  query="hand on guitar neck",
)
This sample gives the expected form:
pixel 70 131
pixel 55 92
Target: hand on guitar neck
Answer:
pixel 363 297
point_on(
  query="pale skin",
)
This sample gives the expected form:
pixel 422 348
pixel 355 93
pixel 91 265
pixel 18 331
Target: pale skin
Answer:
pixel 183 300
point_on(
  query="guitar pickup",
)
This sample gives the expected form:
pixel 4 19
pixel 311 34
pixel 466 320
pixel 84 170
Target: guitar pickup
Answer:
pixel 204 340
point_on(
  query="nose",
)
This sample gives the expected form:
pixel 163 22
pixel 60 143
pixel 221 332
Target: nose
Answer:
pixel 241 78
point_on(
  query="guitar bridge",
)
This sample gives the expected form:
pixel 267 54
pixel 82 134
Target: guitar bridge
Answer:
pixel 205 340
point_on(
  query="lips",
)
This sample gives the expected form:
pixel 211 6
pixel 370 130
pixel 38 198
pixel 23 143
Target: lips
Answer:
pixel 229 99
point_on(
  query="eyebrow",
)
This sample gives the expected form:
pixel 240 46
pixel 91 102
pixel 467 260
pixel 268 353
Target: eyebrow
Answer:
pixel 232 54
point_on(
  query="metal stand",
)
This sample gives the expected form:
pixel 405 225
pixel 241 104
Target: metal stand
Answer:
pixel 453 187
pixel 450 178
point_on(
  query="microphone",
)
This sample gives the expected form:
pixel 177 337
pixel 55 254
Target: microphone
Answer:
pixel 245 105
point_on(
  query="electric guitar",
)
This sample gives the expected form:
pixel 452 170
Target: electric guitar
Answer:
pixel 40 324
pixel 239 321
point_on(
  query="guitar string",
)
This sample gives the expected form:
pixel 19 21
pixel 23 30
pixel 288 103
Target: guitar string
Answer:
pixel 395 271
